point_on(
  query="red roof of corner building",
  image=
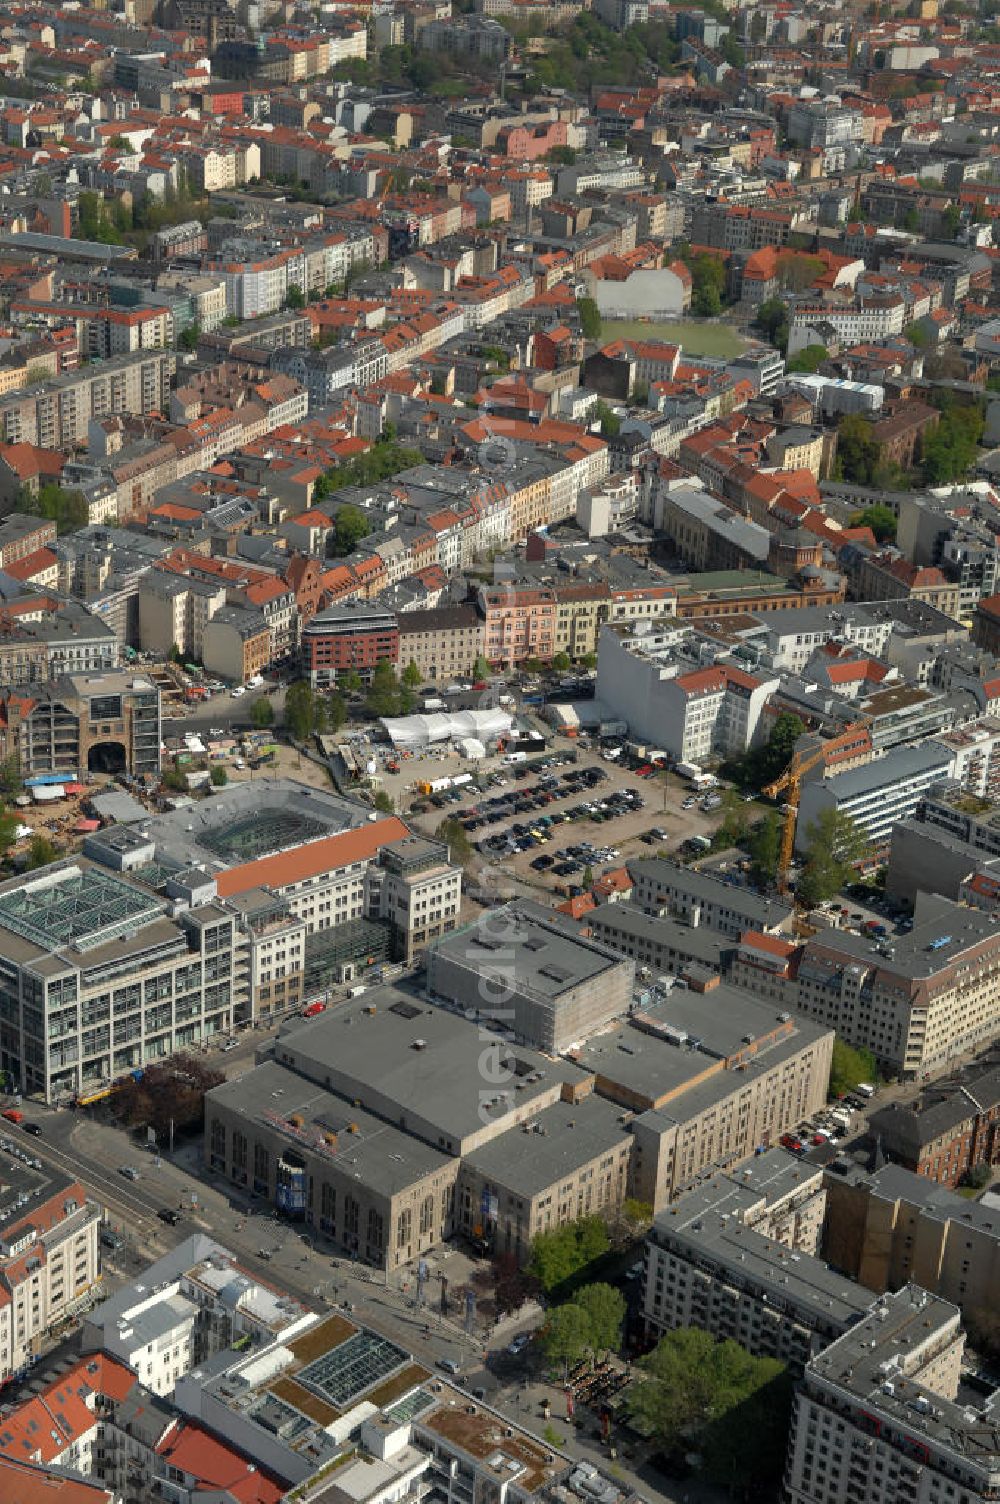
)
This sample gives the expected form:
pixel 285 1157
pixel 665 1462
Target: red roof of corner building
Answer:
pixel 576 908
pixel 311 859
pixel 28 460
pixel 216 1466
pixel 31 564
pixel 36 1485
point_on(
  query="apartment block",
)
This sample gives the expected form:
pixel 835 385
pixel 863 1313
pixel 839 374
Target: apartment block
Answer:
pixel 955 1128
pixel 354 636
pixel 194 1302
pixel 56 415
pixel 738 1257
pixel 419 893
pixel 916 1000
pixel 879 794
pixel 444 641
pixel 647 679
pixel 878 1418
pixel 658 942
pixel 890 1226
pixel 105 723
pixel 703 900
pixel 48 1259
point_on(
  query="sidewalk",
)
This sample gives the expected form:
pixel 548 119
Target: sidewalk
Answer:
pixel 577 1439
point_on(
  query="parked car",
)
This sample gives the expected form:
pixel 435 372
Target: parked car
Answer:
pixel 129 1171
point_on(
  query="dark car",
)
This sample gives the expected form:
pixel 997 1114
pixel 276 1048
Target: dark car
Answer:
pixel 166 1214
pixel 33 1129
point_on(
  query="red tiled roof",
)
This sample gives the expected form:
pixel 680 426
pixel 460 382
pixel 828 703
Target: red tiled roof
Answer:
pixel 311 859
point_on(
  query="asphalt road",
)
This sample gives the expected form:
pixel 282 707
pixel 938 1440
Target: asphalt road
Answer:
pixel 223 710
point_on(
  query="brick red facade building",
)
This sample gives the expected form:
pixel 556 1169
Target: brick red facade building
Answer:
pixel 946 1136
pixel 351 635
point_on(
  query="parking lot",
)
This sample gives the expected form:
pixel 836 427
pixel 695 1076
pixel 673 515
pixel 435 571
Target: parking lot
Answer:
pixel 549 820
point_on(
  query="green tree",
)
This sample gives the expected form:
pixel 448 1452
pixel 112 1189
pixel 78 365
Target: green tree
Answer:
pixel 219 776
pixel 610 422
pixel 765 849
pixel 834 845
pixel 40 852
pixel 321 716
pixel 857 450
pixel 10 778
pixel 743 1449
pixel 588 877
pixel 8 829
pixel 453 834
pixel 480 669
pixel 772 321
pixel 590 318
pixel 383 803
pixel 562 1252
pixel 262 713
pixel 808 360
pixel 630 1222
pixel 188 338
pixel 708 284
pixel 350 526
pixel 951 221
pixel 295 298
pixel 849 1067
pixel 917 335
pixel 880 518
pixel 299 710
pixel 562 662
pixel 412 677
pixel 694 1390
pixel 761 765
pixel 566 1336
pixel 336 712
pixel 66 508
pixel 605 1310
pixel 732 51
pixel 383 698
pixel 949 450
pixel 350 682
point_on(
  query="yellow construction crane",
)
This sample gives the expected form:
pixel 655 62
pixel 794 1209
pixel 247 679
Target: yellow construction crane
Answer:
pixel 790 784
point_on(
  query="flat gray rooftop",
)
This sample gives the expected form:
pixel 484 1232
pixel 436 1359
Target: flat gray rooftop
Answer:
pixel 697 942
pixel 706 1026
pixel 942 931
pixel 757 912
pixel 887 1346
pixel 382 1156
pixel 531 947
pixel 560 1140
pixel 708 1222
pixel 398 1050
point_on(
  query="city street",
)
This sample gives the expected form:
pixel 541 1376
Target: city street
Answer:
pixel 304 1264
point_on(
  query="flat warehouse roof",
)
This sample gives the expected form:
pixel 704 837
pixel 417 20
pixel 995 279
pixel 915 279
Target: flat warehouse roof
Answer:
pixel 423 1059
pixel 560 1140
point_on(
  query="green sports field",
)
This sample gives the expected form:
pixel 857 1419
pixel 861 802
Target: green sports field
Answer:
pixel 696 338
